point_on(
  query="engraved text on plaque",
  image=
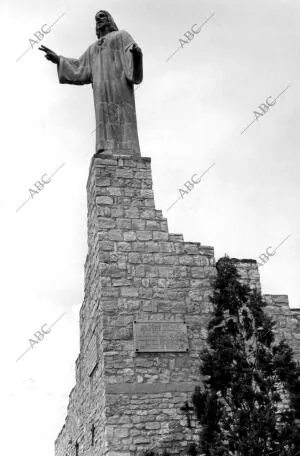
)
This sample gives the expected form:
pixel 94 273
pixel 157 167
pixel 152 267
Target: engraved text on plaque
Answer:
pixel 160 336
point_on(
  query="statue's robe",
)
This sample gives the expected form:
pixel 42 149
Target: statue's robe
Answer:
pixel 110 67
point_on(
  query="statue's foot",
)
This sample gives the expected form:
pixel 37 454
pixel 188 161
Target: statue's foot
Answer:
pixel 128 152
pixel 103 151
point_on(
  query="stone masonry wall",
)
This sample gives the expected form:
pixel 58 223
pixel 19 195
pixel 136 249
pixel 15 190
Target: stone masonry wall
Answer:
pixel 287 321
pixel 126 401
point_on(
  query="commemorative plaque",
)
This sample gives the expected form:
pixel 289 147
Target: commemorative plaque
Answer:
pixel 160 336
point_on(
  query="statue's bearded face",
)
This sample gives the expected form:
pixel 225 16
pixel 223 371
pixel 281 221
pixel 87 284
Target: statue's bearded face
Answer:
pixel 103 19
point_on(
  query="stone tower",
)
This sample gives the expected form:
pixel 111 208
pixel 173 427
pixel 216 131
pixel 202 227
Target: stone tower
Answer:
pixel 143 320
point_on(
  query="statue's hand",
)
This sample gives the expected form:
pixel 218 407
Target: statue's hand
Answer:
pixel 50 55
pixel 136 50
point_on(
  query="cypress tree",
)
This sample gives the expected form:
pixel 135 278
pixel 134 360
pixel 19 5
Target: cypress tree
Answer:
pixel 249 401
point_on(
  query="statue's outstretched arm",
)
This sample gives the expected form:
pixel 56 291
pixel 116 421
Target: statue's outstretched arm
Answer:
pixel 50 55
pixel 70 71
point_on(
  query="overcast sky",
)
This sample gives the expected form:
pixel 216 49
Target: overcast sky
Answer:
pixel 191 111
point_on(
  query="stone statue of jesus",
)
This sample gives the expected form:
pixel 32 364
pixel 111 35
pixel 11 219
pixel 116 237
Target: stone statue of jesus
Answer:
pixel 113 64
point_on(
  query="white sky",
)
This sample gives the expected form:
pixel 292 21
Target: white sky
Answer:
pixel 191 111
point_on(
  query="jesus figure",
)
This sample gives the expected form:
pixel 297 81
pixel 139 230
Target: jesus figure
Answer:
pixel 113 64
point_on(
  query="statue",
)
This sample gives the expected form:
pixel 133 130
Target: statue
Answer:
pixel 113 64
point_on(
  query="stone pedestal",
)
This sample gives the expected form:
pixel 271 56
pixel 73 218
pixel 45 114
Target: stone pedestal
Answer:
pixel 127 399
pixel 135 270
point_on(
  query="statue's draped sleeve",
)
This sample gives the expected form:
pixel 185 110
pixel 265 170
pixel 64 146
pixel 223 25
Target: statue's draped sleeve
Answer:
pixel 75 71
pixel 133 67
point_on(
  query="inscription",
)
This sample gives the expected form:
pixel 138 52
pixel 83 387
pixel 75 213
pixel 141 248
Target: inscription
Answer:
pixel 160 336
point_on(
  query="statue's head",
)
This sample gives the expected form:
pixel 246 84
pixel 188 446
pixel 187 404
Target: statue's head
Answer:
pixel 104 20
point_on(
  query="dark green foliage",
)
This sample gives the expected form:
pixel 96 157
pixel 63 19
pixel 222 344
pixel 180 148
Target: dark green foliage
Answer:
pixel 246 376
pixel 192 450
